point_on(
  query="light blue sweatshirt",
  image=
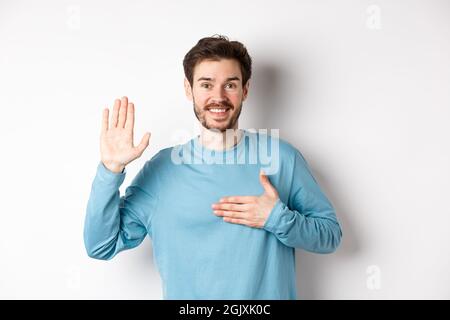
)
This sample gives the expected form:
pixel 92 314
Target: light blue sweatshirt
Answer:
pixel 198 255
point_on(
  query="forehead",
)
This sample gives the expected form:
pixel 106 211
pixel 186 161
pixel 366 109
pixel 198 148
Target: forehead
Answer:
pixel 217 70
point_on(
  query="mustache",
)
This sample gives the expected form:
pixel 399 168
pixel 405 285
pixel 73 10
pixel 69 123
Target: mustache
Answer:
pixel 219 105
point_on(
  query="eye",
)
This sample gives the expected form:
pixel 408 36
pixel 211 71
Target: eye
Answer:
pixel 231 85
pixel 205 85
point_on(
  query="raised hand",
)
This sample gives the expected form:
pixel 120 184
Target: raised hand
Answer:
pixel 116 139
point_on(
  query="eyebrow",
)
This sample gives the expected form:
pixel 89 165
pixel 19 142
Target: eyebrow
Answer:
pixel 211 79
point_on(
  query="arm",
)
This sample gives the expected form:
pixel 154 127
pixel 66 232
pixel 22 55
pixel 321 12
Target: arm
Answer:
pixel 115 223
pixel 112 223
pixel 308 221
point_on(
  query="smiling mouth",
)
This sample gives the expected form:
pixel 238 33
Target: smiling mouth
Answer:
pixel 219 112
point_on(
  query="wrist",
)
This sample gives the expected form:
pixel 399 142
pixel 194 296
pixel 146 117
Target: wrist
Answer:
pixel 113 167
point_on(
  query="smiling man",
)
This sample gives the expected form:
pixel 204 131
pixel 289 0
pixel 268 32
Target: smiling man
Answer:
pixel 220 228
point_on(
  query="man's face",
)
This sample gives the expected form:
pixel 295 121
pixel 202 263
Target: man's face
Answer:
pixel 217 93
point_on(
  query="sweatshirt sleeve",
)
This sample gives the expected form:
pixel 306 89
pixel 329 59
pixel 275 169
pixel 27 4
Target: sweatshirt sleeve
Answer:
pixel 308 221
pixel 114 223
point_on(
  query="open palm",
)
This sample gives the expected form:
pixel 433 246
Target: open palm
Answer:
pixel 116 139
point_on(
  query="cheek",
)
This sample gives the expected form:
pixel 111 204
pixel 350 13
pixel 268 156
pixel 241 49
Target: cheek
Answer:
pixel 200 98
pixel 235 98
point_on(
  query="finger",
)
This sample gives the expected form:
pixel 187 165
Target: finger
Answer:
pixel 267 185
pixel 263 178
pixel 130 117
pixel 239 199
pixel 230 206
pixel 231 214
pixel 144 143
pixel 105 120
pixel 122 112
pixel 115 113
pixel 238 221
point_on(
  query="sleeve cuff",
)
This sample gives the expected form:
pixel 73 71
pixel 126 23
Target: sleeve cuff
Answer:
pixel 106 175
pixel 275 215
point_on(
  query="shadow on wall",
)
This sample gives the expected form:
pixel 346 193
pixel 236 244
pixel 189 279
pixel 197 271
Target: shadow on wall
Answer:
pixel 269 94
pixel 265 97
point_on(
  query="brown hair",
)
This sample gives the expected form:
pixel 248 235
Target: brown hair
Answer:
pixel 216 48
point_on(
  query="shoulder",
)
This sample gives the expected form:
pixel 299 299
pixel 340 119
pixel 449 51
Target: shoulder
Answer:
pixel 276 155
pixel 158 160
pixel 271 141
pixel 149 176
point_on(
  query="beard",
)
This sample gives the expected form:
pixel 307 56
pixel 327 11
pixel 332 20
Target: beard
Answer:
pixel 210 124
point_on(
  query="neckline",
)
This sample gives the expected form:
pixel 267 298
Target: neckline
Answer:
pixel 199 147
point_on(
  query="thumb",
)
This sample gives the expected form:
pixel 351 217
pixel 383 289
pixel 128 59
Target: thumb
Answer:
pixel 144 143
pixel 265 182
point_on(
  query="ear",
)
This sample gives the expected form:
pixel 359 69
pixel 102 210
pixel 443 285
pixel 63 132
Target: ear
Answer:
pixel 187 89
pixel 245 90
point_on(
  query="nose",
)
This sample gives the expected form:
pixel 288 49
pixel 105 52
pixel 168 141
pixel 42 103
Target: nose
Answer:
pixel 218 95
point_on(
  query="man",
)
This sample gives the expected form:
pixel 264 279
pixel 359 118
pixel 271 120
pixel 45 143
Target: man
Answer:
pixel 220 228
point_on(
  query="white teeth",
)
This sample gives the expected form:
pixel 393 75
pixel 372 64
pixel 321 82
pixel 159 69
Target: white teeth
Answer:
pixel 217 110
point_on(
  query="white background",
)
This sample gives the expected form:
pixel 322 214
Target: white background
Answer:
pixel 360 87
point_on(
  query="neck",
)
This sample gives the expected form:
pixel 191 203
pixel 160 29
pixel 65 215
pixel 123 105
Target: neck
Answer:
pixel 216 140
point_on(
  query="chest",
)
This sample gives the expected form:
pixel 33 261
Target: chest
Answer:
pixel 186 199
